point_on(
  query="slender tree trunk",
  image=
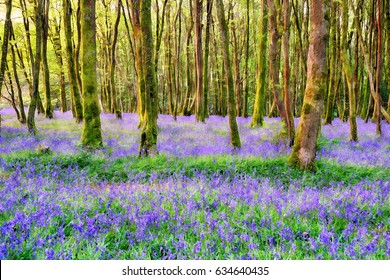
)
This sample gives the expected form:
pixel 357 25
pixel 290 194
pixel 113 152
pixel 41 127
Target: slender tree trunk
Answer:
pixel 148 143
pixel 234 134
pixel 36 67
pixel 22 118
pixel 92 134
pixel 274 61
pixel 332 65
pixel 46 71
pixel 74 90
pixel 246 74
pixel 199 102
pixel 4 48
pixel 348 74
pixel 258 107
pixel 114 101
pixel 286 72
pixel 378 74
pixel 304 150
pixel 206 58
pixel 388 51
pixel 189 73
pixel 56 41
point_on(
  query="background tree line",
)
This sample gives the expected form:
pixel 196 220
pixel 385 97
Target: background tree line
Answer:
pixel 236 58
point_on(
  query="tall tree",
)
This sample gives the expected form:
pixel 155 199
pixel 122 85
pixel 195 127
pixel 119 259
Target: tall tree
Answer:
pixel 348 74
pixel 199 105
pixel 286 72
pixel 261 74
pixel 92 134
pixel 45 64
pixel 378 74
pixel 74 90
pixel 114 102
pixel 304 150
pixel 206 71
pixel 36 66
pixel 4 48
pixel 141 17
pixel 234 134
pixel 274 60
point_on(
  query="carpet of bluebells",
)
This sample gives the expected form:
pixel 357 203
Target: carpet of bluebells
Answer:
pixel 51 208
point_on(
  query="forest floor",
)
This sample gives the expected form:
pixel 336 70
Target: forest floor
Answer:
pixel 196 199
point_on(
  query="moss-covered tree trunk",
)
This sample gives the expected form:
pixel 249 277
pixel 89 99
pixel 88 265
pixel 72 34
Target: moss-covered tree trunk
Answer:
pixel 36 67
pixel 46 71
pixel 246 67
pixel 186 110
pixel 74 90
pixel 22 118
pixel 387 13
pixel 199 97
pixel 148 144
pixel 274 61
pixel 261 74
pixel 92 134
pixel 114 102
pixel 378 74
pixel 234 134
pixel 349 78
pixel 304 150
pixel 56 41
pixel 4 48
pixel 135 7
pixel 206 70
pixel 332 65
pixel 286 72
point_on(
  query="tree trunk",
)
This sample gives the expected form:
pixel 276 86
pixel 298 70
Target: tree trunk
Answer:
pixel 46 71
pixel 74 90
pixel 199 98
pixel 114 101
pixel 304 150
pixel 332 65
pixel 22 118
pixel 286 72
pixel 234 134
pixel 348 74
pixel 206 58
pixel 378 74
pixel 36 67
pixel 388 51
pixel 4 48
pixel 246 75
pixel 56 41
pixel 258 107
pixel 148 143
pixel 92 134
pixel 274 61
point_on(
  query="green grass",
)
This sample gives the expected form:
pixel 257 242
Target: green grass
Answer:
pixel 117 170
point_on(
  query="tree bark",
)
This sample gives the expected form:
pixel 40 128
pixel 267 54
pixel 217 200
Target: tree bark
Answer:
pixel 304 150
pixel 199 97
pixel 46 71
pixel 234 134
pixel 36 67
pixel 258 107
pixel 286 72
pixel 4 48
pixel 74 90
pixel 148 145
pixel 274 61
pixel 92 134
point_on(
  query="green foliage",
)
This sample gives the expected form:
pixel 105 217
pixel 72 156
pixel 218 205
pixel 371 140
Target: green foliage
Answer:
pixel 124 169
